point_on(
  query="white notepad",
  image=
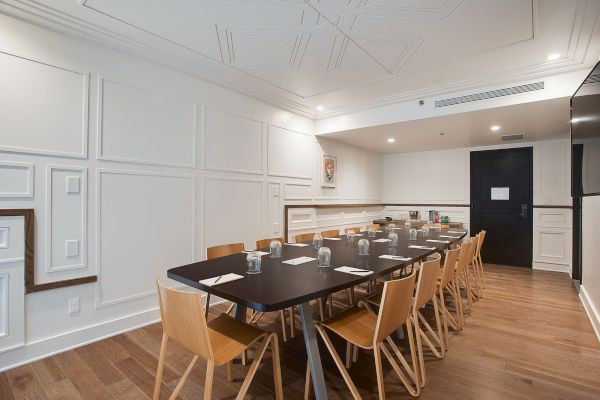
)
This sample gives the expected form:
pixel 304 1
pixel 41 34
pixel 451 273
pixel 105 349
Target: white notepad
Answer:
pixel 381 240
pixel 332 238
pixel 461 232
pixel 416 246
pixel 450 236
pixel 260 253
pixel 396 258
pixel 354 271
pixel 438 241
pixel 217 280
pixel 296 244
pixel 299 260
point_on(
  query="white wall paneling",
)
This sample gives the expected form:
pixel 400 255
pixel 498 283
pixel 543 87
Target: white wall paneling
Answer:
pixel 12 285
pixel 552 172
pixel 590 254
pixel 350 173
pixel 373 176
pixel 16 179
pixel 66 218
pixel 552 239
pixel 43 108
pixel 297 191
pixel 232 210
pixel 289 153
pixel 145 224
pixel 402 178
pixel 232 143
pixel 129 116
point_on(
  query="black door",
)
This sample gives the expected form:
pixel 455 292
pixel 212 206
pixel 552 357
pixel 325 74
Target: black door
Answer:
pixel 501 203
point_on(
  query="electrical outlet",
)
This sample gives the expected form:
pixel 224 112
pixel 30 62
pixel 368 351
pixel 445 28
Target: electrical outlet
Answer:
pixel 74 305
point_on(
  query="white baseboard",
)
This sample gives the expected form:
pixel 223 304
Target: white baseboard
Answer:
pixel 46 347
pixel 591 311
pixel 544 266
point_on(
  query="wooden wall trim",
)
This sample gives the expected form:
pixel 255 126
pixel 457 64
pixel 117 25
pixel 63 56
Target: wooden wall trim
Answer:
pixel 426 205
pixel 30 287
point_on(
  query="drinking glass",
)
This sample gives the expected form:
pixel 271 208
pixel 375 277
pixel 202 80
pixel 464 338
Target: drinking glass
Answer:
pixel 372 232
pixel 363 247
pixel 425 230
pixel 350 235
pixel 393 237
pixel 317 241
pixel 275 247
pixel 407 224
pixel 254 263
pixel 412 234
pixel 324 257
pixel 438 227
pixel 391 228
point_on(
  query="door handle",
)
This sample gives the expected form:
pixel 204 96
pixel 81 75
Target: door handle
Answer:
pixel 524 208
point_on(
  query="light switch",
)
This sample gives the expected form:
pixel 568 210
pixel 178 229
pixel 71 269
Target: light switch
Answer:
pixel 72 248
pixel 73 184
pixel 276 227
pixel 275 191
pixel 4 233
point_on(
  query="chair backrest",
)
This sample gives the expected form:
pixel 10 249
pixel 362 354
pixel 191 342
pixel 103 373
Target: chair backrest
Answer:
pixel 374 226
pixel 428 274
pixel 450 266
pixel 356 229
pixel 224 250
pixel 304 237
pixel 330 233
pixel 480 243
pixel 473 249
pixel 183 320
pixel 465 249
pixel 396 300
pixel 265 243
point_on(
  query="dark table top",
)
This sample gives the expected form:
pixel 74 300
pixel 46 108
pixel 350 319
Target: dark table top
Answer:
pixel 282 285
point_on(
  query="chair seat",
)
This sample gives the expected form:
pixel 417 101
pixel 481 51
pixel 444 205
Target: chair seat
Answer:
pixel 229 337
pixel 356 325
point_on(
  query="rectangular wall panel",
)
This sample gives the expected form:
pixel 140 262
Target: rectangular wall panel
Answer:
pixel 350 173
pixel 289 153
pixel 43 108
pixel 298 191
pixel 232 142
pixel 142 127
pixel 145 226
pixel 274 209
pixel 372 176
pixel 552 245
pixel 66 213
pixel 446 177
pixel 16 179
pixel 403 177
pixel 232 211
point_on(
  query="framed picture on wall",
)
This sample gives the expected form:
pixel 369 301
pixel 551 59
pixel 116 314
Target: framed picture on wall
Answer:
pixel 329 173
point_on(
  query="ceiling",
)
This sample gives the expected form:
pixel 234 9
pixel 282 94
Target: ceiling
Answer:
pixel 540 120
pixel 341 54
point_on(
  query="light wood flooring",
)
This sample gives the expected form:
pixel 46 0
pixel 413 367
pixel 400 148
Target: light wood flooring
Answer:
pixel 528 338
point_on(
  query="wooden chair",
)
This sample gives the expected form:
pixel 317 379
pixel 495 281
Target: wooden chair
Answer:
pixel 447 283
pixel 374 226
pixel 363 328
pixel 221 251
pixel 304 237
pixel 356 229
pixel 464 277
pixel 479 262
pixel 330 233
pixel 473 269
pixel 265 243
pixel 459 318
pixel 217 342
pixel 425 293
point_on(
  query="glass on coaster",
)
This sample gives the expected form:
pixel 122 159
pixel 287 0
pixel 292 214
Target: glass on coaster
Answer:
pixel 412 234
pixel 350 235
pixel 407 224
pixel 372 231
pixel 425 230
pixel 363 247
pixel 390 228
pixel 275 247
pixel 324 257
pixel 393 237
pixel 254 263
pixel 317 241
pixel 438 227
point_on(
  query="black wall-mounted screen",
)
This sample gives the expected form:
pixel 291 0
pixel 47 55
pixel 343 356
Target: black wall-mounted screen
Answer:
pixel 585 136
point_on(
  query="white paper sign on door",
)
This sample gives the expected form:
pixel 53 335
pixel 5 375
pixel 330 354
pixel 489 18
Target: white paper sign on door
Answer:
pixel 500 193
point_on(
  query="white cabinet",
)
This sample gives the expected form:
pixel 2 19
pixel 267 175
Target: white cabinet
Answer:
pixel 552 239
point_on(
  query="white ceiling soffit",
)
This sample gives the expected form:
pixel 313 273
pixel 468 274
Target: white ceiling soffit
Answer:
pixel 298 54
pixel 538 120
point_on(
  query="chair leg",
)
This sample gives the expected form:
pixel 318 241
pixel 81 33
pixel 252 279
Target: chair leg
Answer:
pixel 379 372
pixel 444 312
pixel 421 359
pixel 414 391
pixel 161 364
pixel 440 333
pixel 307 383
pixel 438 353
pixel 229 371
pixel 276 367
pixel 230 309
pixel 184 378
pixel 349 347
pixel 253 368
pixel 292 323
pixel 283 325
pixel 208 382
pixel 339 363
pixel 481 268
pixel 207 305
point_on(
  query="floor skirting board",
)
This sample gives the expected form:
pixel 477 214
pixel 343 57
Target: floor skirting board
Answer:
pixel 545 266
pixel 591 310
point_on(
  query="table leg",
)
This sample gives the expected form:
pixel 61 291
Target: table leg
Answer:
pixel 240 312
pixel 312 350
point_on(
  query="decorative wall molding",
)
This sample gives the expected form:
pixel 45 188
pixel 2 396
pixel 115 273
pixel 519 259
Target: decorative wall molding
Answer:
pixel 100 154
pixel 4 304
pixel 273 171
pixel 293 191
pixel 83 211
pixel 28 169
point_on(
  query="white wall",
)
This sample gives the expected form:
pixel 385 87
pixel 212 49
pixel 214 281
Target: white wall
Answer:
pixel 134 168
pixel 442 177
pixel 590 282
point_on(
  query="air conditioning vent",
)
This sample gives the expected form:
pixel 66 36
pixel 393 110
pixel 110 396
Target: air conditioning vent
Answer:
pixel 530 87
pixel 512 136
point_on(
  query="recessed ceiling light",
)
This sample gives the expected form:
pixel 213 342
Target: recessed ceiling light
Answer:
pixel 320 108
pixel 391 140
pixel 495 128
pixel 553 56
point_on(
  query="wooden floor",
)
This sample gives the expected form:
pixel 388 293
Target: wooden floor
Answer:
pixel 528 338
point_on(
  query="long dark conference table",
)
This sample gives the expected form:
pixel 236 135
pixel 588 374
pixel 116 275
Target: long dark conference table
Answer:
pixel 281 285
